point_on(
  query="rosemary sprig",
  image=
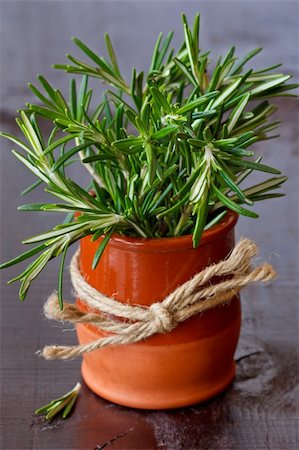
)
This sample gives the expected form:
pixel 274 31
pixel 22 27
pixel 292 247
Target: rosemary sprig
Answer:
pixel 166 152
pixel 62 405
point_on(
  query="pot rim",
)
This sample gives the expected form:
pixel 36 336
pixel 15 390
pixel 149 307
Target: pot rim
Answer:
pixel 174 243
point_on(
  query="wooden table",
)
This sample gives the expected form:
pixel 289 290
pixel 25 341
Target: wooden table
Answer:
pixel 257 412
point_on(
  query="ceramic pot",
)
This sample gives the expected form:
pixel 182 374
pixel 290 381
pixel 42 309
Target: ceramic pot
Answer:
pixel 190 364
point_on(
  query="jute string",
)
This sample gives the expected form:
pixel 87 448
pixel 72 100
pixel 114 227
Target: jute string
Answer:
pixel 132 323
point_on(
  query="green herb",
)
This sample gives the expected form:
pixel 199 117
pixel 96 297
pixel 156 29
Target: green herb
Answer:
pixel 62 405
pixel 166 151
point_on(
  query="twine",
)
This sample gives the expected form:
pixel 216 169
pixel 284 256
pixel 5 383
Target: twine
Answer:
pixel 198 295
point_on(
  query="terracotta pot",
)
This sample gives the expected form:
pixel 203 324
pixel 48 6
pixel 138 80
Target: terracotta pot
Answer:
pixel 192 363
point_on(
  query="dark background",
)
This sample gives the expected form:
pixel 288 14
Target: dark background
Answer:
pixel 260 410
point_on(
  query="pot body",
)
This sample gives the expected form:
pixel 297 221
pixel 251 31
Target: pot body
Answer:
pixel 193 362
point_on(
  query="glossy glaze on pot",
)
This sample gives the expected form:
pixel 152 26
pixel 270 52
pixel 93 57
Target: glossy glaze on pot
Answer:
pixel 191 363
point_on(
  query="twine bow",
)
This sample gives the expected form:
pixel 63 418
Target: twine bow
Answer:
pixel 199 294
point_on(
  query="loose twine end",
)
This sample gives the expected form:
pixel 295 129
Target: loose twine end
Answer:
pixel 196 296
pixel 267 273
pixel 54 352
pixel 53 311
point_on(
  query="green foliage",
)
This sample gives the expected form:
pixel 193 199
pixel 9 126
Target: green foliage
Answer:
pixel 166 152
pixel 62 405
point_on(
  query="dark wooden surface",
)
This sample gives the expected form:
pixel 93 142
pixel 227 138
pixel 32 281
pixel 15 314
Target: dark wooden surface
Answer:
pixel 260 409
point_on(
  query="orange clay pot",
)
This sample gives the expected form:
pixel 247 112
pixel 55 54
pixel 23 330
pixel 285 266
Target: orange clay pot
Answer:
pixel 190 364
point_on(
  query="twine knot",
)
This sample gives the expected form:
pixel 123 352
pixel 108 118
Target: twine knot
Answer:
pixel 196 296
pixel 163 319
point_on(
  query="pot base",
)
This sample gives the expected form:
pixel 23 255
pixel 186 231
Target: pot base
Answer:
pixel 149 375
pixel 178 402
pixel 186 399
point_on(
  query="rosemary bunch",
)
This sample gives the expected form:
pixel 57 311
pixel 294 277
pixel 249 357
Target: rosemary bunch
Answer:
pixel 166 152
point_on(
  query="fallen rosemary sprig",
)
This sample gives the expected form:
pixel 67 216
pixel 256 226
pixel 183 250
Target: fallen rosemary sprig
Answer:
pixel 62 405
